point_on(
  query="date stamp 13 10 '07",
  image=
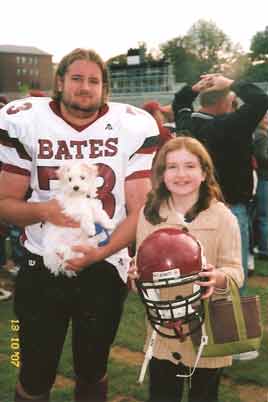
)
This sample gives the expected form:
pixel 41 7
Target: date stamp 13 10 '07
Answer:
pixel 14 343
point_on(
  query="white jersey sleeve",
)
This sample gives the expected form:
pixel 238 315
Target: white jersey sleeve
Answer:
pixel 145 127
pixel 15 141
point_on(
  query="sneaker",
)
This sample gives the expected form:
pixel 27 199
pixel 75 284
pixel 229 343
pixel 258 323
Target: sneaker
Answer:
pixel 5 294
pixel 246 355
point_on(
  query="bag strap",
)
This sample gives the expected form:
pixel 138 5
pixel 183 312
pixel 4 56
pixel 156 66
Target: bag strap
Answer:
pixel 238 310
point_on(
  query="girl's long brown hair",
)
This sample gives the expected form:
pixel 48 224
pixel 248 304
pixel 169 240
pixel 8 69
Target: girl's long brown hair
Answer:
pixel 209 188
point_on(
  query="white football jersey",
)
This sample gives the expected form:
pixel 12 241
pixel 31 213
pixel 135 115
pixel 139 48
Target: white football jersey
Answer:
pixel 35 140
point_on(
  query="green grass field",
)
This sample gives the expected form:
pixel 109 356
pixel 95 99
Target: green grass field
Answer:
pixel 243 382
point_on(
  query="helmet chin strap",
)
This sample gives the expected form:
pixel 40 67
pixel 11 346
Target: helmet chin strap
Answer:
pixel 203 343
pixel 150 349
pixel 147 357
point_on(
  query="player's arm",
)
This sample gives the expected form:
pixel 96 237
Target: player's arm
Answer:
pixel 14 209
pixel 136 191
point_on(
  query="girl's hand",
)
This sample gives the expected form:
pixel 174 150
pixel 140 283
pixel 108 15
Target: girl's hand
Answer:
pixel 132 275
pixel 132 270
pixel 208 280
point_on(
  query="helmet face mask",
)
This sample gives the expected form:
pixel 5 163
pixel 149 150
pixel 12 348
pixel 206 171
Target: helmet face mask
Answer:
pixel 167 260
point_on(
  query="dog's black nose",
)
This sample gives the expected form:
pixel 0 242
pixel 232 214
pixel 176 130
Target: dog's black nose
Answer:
pixel 75 188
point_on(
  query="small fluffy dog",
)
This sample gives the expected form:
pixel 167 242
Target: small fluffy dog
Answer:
pixel 77 197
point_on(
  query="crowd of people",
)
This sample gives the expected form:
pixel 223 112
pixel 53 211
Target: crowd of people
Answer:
pixel 153 173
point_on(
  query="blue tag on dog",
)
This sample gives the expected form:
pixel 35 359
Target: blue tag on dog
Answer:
pixel 102 235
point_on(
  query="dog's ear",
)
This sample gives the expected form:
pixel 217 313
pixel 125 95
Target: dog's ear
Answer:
pixel 61 172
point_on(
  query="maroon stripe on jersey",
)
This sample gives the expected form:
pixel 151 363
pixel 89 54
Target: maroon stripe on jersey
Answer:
pixel 149 150
pixel 13 143
pixel 149 146
pixel 23 238
pixel 15 169
pixel 142 174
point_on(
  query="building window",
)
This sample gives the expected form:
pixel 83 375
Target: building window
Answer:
pixel 18 59
pixel 18 72
pixel 30 60
pixel 18 84
pixel 23 59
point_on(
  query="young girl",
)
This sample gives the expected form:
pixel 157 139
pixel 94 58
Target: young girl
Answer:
pixel 183 183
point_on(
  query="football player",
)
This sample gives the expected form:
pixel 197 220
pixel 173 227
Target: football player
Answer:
pixel 38 135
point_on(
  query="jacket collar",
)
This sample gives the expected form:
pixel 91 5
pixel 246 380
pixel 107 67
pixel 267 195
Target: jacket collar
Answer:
pixel 207 219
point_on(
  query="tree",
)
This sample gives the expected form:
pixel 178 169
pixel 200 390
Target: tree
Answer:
pixel 259 45
pixel 186 65
pixel 207 42
pixel 141 50
pixel 258 68
pixel 203 49
pixel 119 59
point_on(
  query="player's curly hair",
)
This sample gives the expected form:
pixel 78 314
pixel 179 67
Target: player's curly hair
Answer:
pixel 81 54
pixel 209 188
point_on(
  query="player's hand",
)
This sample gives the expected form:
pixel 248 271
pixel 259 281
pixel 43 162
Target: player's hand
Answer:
pixel 89 255
pixel 208 279
pixel 54 214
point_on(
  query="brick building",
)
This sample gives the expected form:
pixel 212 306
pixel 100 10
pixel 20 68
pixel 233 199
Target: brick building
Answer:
pixel 24 67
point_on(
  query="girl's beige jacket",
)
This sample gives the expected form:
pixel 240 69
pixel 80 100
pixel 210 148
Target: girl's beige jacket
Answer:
pixel 218 231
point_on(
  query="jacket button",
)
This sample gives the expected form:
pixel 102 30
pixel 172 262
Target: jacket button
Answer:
pixel 176 355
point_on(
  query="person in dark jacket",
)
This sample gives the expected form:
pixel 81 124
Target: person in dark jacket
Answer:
pixel 260 147
pixel 227 134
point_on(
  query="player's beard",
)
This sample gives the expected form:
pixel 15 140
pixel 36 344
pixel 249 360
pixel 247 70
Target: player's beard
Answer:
pixel 78 110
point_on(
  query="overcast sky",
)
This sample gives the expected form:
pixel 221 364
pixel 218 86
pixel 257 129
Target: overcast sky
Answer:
pixel 112 27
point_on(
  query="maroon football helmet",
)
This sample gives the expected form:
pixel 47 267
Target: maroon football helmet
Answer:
pixel 169 258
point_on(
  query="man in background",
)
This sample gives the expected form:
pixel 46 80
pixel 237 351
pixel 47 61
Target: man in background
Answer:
pixel 227 134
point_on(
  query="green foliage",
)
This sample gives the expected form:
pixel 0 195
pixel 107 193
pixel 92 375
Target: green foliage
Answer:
pixel 257 72
pixel 257 69
pixel 24 89
pixel 206 40
pixel 259 45
pixel 205 48
pixel 131 331
pixel 120 60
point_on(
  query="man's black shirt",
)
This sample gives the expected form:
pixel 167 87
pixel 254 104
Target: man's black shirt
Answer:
pixel 227 137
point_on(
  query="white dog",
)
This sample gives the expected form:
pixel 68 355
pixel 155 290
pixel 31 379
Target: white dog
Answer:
pixel 77 197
